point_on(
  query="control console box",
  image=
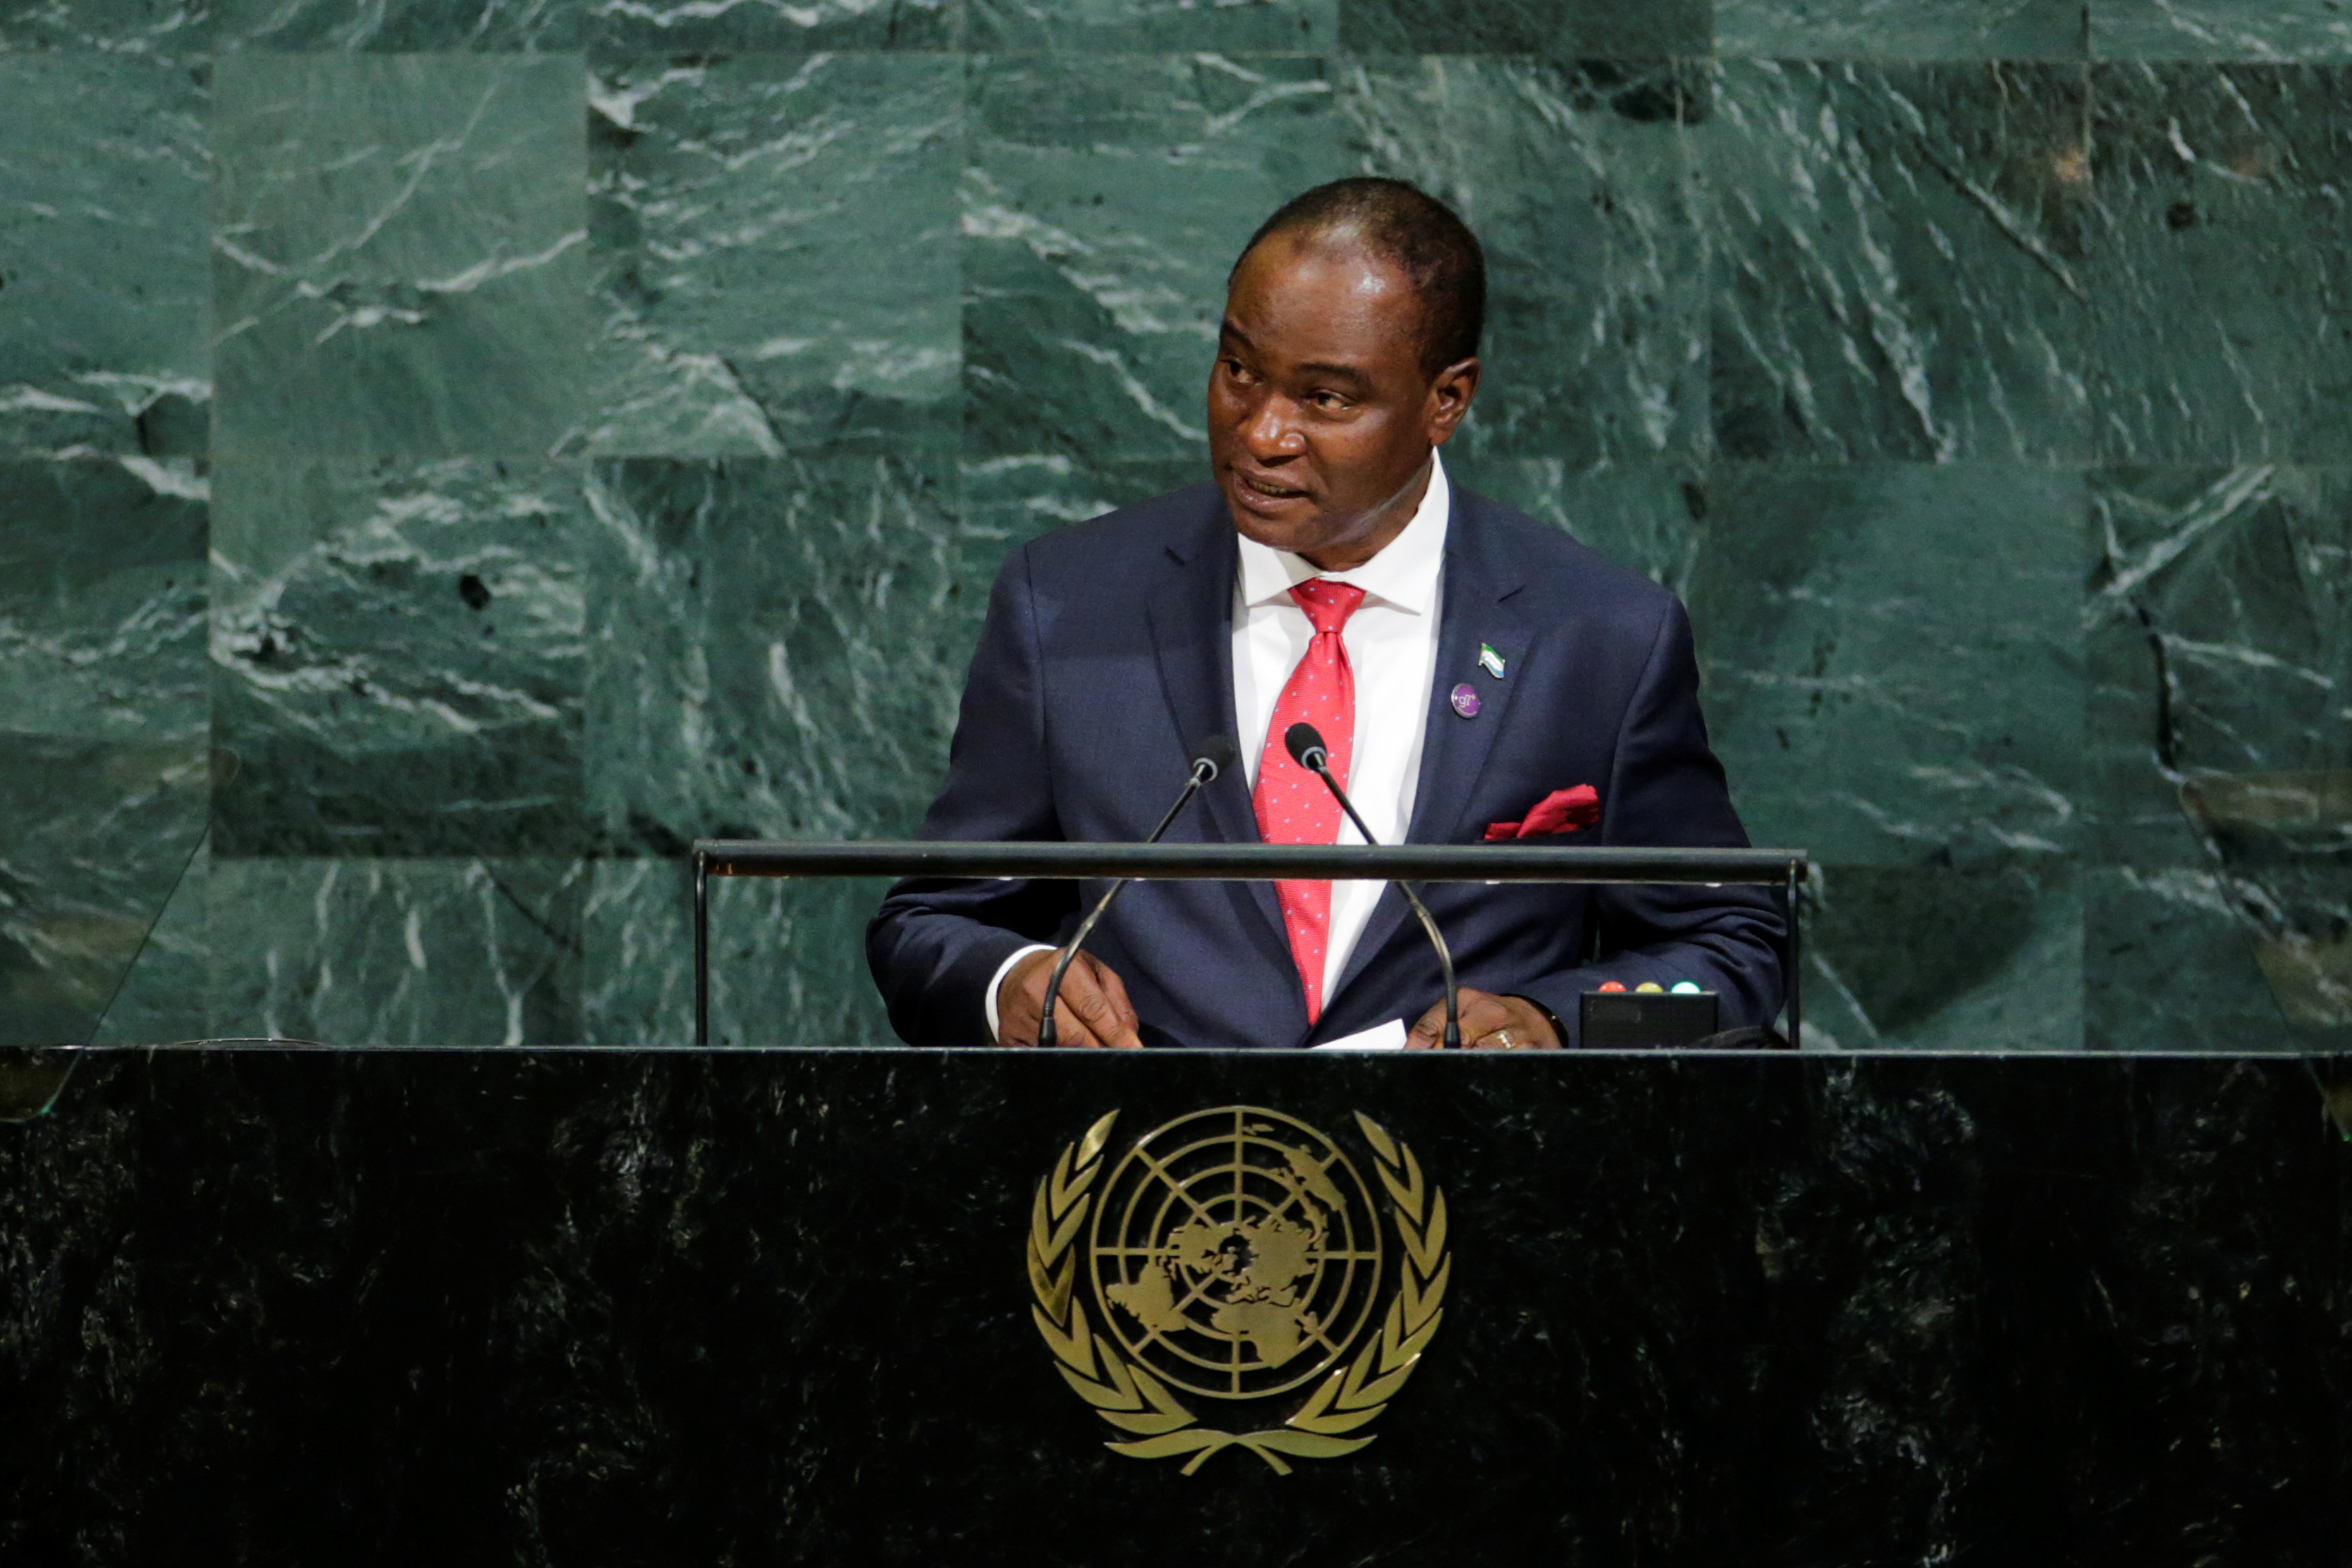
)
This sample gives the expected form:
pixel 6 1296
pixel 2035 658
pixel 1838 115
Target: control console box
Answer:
pixel 1647 1020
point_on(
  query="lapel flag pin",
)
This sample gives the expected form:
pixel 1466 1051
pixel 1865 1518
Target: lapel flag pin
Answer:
pixel 1489 660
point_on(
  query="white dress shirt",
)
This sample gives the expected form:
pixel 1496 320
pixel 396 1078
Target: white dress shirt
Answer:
pixel 1392 642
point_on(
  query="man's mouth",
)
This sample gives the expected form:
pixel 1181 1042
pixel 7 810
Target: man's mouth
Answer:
pixel 1269 488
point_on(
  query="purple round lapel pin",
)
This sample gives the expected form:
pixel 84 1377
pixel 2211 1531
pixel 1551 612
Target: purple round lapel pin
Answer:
pixel 1466 700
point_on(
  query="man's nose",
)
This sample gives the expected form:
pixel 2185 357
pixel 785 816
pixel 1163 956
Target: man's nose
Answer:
pixel 1272 432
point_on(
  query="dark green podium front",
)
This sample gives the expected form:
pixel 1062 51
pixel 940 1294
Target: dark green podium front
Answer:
pixel 764 1307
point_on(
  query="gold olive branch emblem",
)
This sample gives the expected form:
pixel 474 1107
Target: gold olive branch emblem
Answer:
pixel 1131 1399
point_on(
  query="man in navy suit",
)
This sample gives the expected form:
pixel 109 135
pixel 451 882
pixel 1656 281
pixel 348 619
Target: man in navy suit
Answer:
pixel 1477 674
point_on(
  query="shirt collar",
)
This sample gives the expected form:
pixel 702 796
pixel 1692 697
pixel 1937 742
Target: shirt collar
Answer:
pixel 1404 575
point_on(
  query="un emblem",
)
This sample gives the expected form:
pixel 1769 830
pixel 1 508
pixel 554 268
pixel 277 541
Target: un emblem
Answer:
pixel 1236 1255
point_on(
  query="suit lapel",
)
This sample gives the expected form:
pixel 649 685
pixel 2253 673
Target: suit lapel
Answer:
pixel 1193 637
pixel 1476 611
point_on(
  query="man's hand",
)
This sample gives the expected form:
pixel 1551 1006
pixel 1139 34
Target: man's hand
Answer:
pixel 1094 1009
pixel 1489 1023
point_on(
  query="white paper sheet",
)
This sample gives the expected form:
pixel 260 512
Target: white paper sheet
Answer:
pixel 1388 1036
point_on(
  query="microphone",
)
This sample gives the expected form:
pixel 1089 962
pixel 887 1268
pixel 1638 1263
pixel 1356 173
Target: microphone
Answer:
pixel 1216 754
pixel 1305 747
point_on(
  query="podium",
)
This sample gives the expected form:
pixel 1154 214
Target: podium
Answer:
pixel 668 1305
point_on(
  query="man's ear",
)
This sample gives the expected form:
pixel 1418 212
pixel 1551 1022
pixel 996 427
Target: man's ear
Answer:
pixel 1449 399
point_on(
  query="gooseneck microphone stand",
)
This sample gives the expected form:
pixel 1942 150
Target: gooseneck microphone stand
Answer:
pixel 1304 744
pixel 1216 755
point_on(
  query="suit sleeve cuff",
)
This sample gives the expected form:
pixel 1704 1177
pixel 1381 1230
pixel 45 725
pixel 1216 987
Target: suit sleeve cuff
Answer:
pixel 996 983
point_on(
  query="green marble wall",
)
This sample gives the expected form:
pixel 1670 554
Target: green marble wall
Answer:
pixel 454 452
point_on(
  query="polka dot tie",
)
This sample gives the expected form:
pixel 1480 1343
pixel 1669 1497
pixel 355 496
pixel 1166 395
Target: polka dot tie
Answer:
pixel 1293 806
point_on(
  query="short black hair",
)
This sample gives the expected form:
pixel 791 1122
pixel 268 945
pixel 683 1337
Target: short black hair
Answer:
pixel 1403 224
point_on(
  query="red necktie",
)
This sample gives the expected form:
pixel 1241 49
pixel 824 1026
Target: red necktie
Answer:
pixel 1293 806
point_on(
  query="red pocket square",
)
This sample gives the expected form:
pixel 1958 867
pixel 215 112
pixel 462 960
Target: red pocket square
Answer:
pixel 1561 811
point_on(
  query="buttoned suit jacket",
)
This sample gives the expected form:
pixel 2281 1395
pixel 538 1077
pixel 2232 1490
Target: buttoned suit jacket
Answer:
pixel 1105 663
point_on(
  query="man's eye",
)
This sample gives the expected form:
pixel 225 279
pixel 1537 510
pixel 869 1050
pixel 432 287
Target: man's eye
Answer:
pixel 1330 401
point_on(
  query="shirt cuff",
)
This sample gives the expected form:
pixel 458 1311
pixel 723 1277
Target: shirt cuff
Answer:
pixel 996 983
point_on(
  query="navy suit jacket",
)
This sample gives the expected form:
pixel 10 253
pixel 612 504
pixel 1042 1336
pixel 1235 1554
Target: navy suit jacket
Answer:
pixel 1107 661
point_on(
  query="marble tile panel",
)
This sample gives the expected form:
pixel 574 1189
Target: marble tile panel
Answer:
pixel 401 26
pixel 787 959
pixel 1008 501
pixel 619 27
pixel 2218 629
pixel 399 657
pixel 420 951
pixel 1649 517
pixel 1899 29
pixel 1578 184
pixel 675 26
pixel 102 599
pixel 1891 657
pixel 1101 211
pixel 97 832
pixel 777 647
pixel 113 27
pixel 104 283
pixel 2219 263
pixel 2220 29
pixel 2168 964
pixel 1102 26
pixel 1986 956
pixel 774 243
pixel 1561 28
pixel 102 725
pixel 1899 266
pixel 165 995
pixel 398 254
